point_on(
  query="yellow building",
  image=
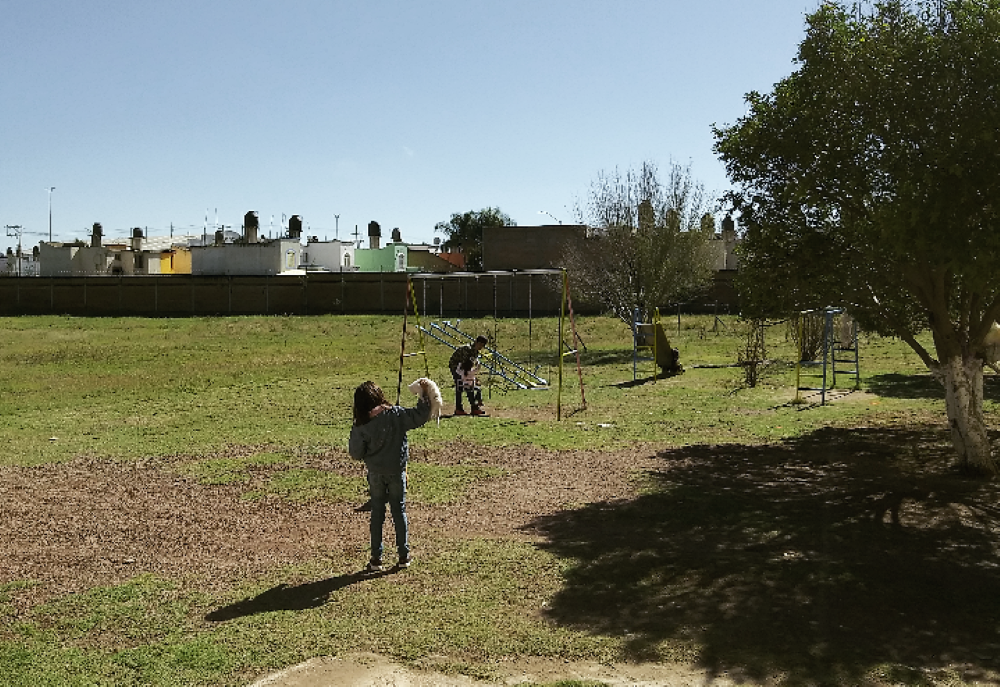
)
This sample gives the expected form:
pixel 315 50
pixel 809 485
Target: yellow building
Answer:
pixel 176 260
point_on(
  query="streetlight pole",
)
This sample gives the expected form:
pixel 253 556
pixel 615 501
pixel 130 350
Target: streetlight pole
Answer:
pixel 51 189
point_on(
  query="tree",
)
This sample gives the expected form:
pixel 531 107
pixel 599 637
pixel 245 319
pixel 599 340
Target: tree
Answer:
pixel 870 178
pixel 648 240
pixel 465 232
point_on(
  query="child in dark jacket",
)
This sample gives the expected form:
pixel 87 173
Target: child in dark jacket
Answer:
pixel 378 437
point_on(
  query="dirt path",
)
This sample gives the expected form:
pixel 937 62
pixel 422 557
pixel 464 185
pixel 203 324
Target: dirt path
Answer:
pixel 370 670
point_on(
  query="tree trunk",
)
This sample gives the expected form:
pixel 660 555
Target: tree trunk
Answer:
pixel 962 378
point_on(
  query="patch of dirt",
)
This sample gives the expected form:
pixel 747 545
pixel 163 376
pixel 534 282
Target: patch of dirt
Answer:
pixel 87 523
pixel 370 670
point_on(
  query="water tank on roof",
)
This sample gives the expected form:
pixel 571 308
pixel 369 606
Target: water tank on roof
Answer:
pixel 250 227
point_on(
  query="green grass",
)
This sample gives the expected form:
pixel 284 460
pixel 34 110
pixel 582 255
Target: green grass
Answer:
pixel 438 484
pixel 229 470
pixel 134 388
pixel 251 402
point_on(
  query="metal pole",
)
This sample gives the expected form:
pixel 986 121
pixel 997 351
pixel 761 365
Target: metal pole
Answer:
pixel 562 317
pixel 529 319
pixel 402 347
pixel 51 189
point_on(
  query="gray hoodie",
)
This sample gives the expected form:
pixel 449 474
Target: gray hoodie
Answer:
pixel 381 442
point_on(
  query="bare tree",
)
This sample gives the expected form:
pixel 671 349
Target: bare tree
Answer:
pixel 648 241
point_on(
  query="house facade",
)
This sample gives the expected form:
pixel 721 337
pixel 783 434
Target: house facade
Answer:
pixel 335 256
pixel 271 257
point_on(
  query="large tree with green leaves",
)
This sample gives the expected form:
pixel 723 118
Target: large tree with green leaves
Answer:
pixel 465 232
pixel 870 178
pixel 648 240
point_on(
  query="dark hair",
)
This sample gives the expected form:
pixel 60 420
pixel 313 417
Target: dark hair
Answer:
pixel 482 339
pixel 367 397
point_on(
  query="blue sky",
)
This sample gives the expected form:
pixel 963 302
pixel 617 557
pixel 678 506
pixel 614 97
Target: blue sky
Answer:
pixel 147 113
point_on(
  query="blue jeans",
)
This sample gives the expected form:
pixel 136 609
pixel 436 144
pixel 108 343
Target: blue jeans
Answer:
pixel 389 489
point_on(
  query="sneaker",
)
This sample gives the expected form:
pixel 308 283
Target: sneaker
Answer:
pixel 405 562
pixel 478 410
pixel 373 566
pixel 460 411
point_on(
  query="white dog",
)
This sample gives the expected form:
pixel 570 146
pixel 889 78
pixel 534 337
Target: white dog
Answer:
pixel 428 389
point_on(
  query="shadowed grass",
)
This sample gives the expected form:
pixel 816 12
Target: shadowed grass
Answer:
pixel 822 558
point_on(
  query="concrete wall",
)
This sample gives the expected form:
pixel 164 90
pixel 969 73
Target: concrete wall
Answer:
pixel 507 295
pixel 518 294
pixel 56 260
pixel 273 257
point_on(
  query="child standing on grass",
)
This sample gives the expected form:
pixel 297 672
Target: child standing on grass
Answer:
pixel 470 386
pixel 378 437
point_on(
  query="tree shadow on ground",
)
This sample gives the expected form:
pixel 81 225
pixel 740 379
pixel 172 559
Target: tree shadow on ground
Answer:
pixel 292 598
pixel 640 381
pixel 819 558
pixel 923 386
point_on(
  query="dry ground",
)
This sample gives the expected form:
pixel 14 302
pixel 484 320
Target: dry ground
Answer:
pixel 96 522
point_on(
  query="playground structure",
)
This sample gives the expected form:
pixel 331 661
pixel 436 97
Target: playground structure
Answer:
pixel 495 362
pixel 497 365
pixel 650 343
pixel 839 355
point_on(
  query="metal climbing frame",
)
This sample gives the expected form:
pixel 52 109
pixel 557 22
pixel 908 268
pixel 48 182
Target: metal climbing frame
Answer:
pixel 844 350
pixel 644 338
pixel 839 348
pixel 495 362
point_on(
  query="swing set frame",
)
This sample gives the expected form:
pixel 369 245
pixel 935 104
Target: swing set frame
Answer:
pixel 450 334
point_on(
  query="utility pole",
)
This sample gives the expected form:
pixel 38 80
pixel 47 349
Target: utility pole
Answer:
pixel 15 230
pixel 51 189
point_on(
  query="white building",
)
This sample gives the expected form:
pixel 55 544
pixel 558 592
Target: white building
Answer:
pixel 267 258
pixel 13 266
pixel 134 255
pixel 335 256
